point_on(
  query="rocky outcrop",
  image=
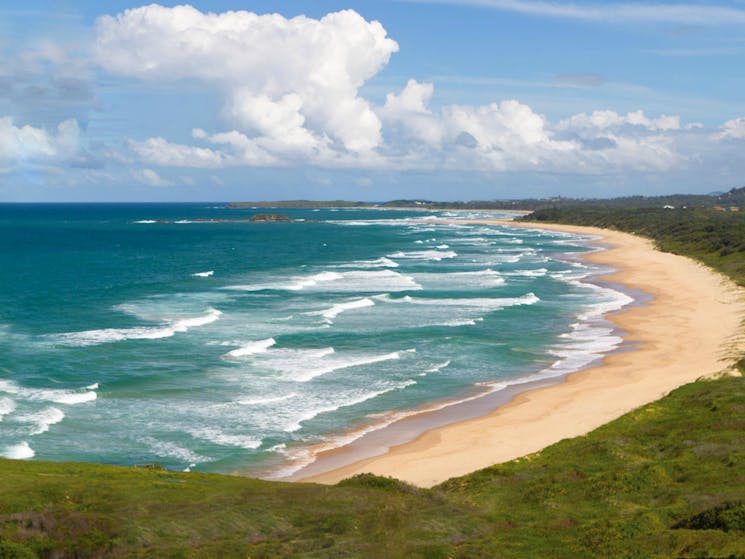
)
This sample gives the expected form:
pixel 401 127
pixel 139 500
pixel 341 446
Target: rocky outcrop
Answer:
pixel 269 217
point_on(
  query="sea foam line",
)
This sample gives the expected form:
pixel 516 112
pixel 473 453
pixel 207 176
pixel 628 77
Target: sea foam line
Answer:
pixel 7 406
pixel 493 303
pixel 252 348
pixel 56 395
pixel 42 419
pixel 310 374
pixel 364 397
pixel 435 255
pixel 339 308
pixel 267 400
pixel 20 451
pixel 353 281
pixel 110 335
pixel 382 262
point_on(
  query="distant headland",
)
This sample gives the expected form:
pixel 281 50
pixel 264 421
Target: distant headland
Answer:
pixel 734 198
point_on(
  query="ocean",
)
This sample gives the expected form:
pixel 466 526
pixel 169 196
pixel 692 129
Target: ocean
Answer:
pixel 180 334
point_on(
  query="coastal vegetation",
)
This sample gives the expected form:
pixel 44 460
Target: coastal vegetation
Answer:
pixel 663 481
pixel 712 236
pixel 722 200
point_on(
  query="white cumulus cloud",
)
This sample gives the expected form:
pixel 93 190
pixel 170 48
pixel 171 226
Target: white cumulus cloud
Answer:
pixel 293 80
pixel 24 143
pixel 158 151
pixel 733 129
pixel 602 120
pixel 151 178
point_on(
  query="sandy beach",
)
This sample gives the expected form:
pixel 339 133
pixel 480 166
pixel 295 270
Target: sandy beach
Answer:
pixel 690 329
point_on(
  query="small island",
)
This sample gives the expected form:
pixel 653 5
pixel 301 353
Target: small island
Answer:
pixel 269 217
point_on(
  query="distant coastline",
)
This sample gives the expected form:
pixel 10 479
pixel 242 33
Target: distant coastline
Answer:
pixel 390 205
pixel 722 201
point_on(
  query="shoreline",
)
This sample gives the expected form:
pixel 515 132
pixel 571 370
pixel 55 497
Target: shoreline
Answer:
pixel 686 331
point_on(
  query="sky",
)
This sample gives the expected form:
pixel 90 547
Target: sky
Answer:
pixel 369 100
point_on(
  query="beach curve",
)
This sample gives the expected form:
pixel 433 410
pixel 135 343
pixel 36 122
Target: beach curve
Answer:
pixel 690 329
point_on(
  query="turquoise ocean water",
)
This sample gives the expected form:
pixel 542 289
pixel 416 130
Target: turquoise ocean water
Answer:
pixel 140 333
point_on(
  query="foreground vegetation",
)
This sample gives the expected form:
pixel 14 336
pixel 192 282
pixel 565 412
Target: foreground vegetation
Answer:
pixel 664 481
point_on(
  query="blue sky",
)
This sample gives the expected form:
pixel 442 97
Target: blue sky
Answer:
pixel 448 100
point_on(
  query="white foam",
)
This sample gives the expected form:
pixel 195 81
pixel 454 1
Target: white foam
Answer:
pixel 435 255
pixel 586 343
pixel 110 335
pixel 382 280
pixel 266 400
pixel 339 308
pixel 437 368
pixel 204 274
pixel 473 241
pixel 252 348
pixel 93 386
pixel 221 438
pixel 8 386
pixel 477 302
pixel 70 398
pixel 460 280
pixel 456 323
pixel 7 406
pixel 340 282
pixel 145 221
pixel 537 273
pixel 314 280
pixel 58 396
pixel 42 419
pixel 305 375
pixel 172 450
pixel 382 262
pixel 296 425
pixel 186 324
pixel 20 451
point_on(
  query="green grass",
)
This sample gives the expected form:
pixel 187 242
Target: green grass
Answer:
pixel 667 480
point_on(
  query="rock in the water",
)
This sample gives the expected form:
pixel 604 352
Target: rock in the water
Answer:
pixel 269 217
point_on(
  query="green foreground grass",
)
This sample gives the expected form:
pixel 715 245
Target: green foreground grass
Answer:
pixel 667 480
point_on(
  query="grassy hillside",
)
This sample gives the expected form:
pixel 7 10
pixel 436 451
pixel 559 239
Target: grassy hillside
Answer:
pixel 667 480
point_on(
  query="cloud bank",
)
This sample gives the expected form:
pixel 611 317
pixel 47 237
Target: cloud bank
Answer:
pixel 289 86
pixel 30 144
pixel 290 91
